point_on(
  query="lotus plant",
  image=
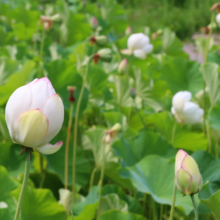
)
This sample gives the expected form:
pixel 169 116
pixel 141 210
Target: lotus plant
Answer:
pixel 185 111
pixel 139 45
pixel 34 115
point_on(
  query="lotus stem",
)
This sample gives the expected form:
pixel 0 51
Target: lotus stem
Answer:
pixel 25 181
pixel 173 202
pixel 195 207
pixel 67 145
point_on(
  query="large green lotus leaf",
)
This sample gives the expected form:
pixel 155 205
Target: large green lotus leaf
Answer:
pixel 181 74
pixel 214 117
pixel 163 122
pixel 144 90
pixel 56 161
pixel 155 175
pixel 133 204
pixel 11 159
pixel 211 199
pixel 112 201
pixel 7 36
pixel 209 165
pixel 7 185
pixel 211 77
pixel 171 44
pixel 16 80
pixel 80 33
pixel 87 208
pixel 39 204
pixel 132 151
pixel 188 140
pixel 117 215
pixel 7 68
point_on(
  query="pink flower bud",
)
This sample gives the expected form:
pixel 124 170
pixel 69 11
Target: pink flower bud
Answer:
pixel 123 66
pixel 188 178
pixel 34 115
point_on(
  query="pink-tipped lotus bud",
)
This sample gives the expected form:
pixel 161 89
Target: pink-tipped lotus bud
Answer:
pixel 94 23
pixel 123 66
pixel 99 40
pixel 34 115
pixel 71 90
pixel 132 93
pixel 188 178
pixel 103 54
pixel 128 30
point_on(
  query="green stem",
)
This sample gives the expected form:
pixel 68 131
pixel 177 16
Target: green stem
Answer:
pixel 173 202
pixel 139 114
pixel 161 211
pixel 24 184
pixel 101 179
pixel 41 53
pixel 76 131
pixel 216 149
pixel 195 207
pixel 173 133
pixel 92 178
pixel 67 145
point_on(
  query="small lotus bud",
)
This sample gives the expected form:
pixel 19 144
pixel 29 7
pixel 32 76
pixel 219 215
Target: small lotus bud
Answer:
pixel 132 93
pixel 99 40
pixel 205 30
pixel 188 178
pixel 46 21
pixel 123 66
pixel 156 34
pixel 109 134
pixel 71 90
pixel 94 23
pixel 103 54
pixel 128 30
pixel 216 6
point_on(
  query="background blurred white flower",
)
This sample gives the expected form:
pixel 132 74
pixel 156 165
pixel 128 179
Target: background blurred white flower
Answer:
pixel 218 19
pixel 185 111
pixel 139 45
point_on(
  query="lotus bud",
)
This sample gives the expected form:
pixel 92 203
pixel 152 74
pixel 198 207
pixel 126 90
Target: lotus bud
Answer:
pixel 128 30
pixel 34 115
pixel 216 6
pixel 71 90
pixel 46 21
pixel 156 34
pixel 110 134
pixel 188 178
pixel 94 23
pixel 123 66
pixel 103 54
pixel 99 40
pixel 133 93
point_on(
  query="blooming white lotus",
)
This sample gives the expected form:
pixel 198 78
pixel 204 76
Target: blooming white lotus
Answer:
pixel 185 111
pixel 188 178
pixel 139 45
pixel 218 19
pixel 34 115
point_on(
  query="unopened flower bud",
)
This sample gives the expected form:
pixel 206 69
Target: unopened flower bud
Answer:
pixel 132 93
pixel 46 21
pixel 109 134
pixel 103 54
pixel 99 40
pixel 156 34
pixel 71 90
pixel 216 6
pixel 123 66
pixel 94 23
pixel 128 30
pixel 205 30
pixel 188 178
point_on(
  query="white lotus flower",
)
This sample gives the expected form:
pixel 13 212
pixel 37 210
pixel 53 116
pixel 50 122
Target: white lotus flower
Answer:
pixel 139 45
pixel 34 115
pixel 218 19
pixel 185 111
